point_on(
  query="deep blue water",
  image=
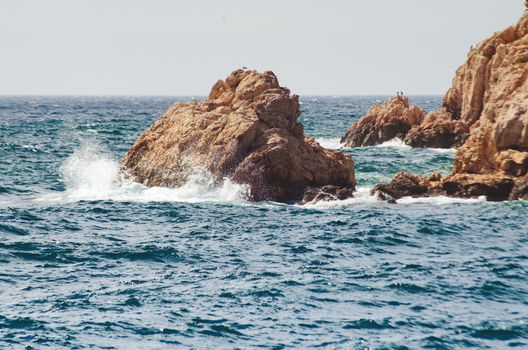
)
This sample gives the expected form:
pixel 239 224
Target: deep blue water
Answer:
pixel 88 261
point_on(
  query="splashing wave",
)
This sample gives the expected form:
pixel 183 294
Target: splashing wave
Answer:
pixel 92 173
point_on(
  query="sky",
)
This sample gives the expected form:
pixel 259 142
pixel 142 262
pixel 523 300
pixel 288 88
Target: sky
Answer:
pixel 177 47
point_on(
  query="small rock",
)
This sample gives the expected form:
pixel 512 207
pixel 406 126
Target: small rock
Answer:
pixel 326 193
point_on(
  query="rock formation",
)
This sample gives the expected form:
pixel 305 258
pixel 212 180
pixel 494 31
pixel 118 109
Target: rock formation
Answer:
pixel 246 130
pixel 383 122
pixel 494 188
pixel 395 118
pixel 490 94
pixel 480 88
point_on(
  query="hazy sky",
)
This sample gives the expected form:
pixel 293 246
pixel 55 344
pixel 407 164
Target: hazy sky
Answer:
pixel 170 47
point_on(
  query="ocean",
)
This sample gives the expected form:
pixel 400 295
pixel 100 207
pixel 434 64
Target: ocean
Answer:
pixel 91 261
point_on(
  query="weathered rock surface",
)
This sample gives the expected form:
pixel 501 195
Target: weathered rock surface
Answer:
pixel 493 187
pixel 438 130
pixel 395 118
pixel 326 193
pixel 383 122
pixel 498 143
pixel 246 130
pixel 489 98
pixel 403 185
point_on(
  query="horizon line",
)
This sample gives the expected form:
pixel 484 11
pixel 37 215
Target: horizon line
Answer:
pixel 198 95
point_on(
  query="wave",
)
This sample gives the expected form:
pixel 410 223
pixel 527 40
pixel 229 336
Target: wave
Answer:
pixel 399 143
pixel 363 196
pixel 335 144
pixel 444 150
pixel 92 173
pixel 395 142
pixel 330 143
pixel 441 200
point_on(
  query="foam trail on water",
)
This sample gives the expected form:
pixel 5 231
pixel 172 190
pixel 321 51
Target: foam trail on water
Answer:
pixel 91 173
pixel 330 143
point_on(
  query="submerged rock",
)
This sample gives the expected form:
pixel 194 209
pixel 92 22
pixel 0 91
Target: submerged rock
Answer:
pixel 489 102
pixel 246 130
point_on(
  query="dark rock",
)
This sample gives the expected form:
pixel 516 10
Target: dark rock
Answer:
pixel 326 193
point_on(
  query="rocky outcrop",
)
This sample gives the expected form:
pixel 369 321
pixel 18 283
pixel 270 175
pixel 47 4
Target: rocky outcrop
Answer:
pixel 383 122
pixel 489 102
pixel 438 130
pixel 497 147
pixel 493 187
pixel 493 75
pixel 395 118
pixel 409 185
pixel 326 193
pixel 246 130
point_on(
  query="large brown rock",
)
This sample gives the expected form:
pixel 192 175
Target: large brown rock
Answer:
pixel 383 122
pixel 489 98
pixel 246 130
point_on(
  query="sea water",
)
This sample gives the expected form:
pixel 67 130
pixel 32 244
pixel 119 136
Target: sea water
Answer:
pixel 91 260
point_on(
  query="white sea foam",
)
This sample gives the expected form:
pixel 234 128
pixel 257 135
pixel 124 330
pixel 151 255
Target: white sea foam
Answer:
pixel 441 200
pixel 395 142
pixel 363 196
pixel 443 150
pixel 91 173
pixel 330 143
pixel 398 143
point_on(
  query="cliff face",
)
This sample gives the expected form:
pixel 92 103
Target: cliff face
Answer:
pixel 246 130
pixel 489 102
pixel 497 75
